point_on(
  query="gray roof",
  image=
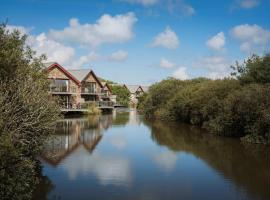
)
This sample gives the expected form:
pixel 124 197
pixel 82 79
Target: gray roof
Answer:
pixel 48 64
pixel 79 74
pixel 132 88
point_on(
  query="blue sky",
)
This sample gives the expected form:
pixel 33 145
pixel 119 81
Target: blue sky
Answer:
pixel 144 41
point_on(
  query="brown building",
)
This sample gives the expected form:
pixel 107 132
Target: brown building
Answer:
pixel 75 87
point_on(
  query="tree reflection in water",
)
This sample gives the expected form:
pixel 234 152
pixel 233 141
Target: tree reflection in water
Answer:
pixel 245 164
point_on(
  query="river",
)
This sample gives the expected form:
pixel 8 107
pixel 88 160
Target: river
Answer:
pixel 123 156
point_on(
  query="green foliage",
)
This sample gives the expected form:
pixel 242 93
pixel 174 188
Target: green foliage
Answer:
pixel 107 81
pixel 92 108
pixel 26 115
pixel 244 112
pixel 226 107
pixel 255 70
pixel 122 94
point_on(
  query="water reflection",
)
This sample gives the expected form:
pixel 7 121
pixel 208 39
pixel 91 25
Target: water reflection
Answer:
pixel 246 165
pixel 72 133
pixel 122 156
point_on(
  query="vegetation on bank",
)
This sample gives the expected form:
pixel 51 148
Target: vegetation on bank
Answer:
pixel 92 108
pixel 122 94
pixel 237 107
pixel 26 115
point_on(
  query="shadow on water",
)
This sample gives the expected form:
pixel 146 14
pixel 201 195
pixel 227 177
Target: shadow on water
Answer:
pixel 244 166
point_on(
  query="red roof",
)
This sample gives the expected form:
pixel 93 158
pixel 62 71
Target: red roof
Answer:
pixel 56 65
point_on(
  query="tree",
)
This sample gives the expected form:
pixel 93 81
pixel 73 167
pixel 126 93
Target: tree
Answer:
pixel 26 115
pixel 255 69
pixel 123 96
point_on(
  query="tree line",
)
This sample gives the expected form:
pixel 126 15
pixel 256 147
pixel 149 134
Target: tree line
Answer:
pixel 238 106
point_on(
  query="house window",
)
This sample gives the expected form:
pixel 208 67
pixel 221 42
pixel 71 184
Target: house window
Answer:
pixel 90 87
pixel 59 85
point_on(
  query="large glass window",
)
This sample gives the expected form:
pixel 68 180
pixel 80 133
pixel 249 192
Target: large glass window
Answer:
pixel 89 87
pixel 59 85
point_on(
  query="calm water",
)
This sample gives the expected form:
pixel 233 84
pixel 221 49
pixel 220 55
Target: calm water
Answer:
pixel 122 156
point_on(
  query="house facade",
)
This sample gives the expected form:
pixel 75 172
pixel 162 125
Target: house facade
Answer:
pixel 135 91
pixel 75 87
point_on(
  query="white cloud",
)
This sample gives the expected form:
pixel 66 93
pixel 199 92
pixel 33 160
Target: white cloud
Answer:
pixel 252 37
pixel 143 2
pixel 217 42
pixel 107 29
pixel 167 39
pixel 248 4
pixel 118 56
pixel 181 74
pixel 92 56
pixel 164 63
pixel 217 66
pixel 54 51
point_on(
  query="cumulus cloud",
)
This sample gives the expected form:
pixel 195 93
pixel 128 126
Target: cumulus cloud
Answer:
pixel 167 39
pixel 217 42
pixel 92 56
pixel 252 37
pixel 164 63
pixel 107 29
pixel 181 74
pixel 217 66
pixel 118 56
pixel 54 51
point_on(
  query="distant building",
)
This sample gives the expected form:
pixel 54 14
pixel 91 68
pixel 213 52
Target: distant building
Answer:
pixel 135 91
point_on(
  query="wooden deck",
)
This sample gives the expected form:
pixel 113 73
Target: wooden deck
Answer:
pixel 103 106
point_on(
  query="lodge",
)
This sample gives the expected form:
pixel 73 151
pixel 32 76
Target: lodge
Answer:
pixel 77 87
pixel 135 91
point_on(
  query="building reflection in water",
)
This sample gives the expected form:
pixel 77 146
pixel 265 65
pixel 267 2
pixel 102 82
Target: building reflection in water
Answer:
pixel 72 133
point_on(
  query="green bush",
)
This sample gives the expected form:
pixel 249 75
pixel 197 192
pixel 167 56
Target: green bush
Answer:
pixel 244 112
pixel 122 95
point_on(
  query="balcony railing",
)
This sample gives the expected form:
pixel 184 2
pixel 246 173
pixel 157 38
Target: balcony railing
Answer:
pixel 58 89
pixel 99 104
pixel 88 91
pixel 104 95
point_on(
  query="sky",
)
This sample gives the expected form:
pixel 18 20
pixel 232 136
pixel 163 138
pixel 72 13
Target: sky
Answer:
pixel 143 41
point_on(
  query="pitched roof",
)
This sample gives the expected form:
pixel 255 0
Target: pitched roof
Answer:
pixel 132 88
pixel 80 74
pixel 48 64
pixel 51 65
pixel 105 84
